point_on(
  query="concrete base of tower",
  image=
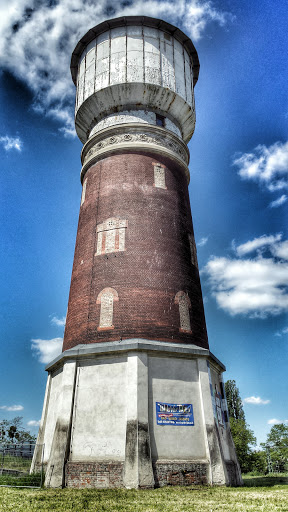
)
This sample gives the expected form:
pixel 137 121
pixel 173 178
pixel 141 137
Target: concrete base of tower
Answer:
pixel 136 414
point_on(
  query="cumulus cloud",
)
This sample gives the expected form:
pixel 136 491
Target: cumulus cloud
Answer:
pixel 60 322
pixel 257 243
pixel 202 241
pixel 255 400
pixel 266 165
pixel 278 202
pixel 274 421
pixel 33 423
pixel 37 38
pixel 46 350
pixel 12 407
pixel 11 143
pixel 280 250
pixel 255 287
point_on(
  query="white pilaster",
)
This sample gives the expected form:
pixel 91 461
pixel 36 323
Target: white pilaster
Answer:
pixel 138 465
pixel 61 437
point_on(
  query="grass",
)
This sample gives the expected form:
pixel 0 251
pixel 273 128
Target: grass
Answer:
pixel 272 497
pixel 33 480
pixel 268 480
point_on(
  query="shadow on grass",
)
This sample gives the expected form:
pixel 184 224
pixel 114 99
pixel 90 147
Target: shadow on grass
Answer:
pixel 265 481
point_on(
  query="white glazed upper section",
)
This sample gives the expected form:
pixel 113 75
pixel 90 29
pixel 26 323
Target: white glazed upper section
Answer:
pixel 133 116
pixel 135 54
pixel 135 67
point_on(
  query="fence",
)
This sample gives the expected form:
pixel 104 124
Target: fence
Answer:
pixel 15 463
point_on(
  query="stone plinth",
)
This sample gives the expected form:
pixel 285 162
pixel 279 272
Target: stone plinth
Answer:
pixel 100 427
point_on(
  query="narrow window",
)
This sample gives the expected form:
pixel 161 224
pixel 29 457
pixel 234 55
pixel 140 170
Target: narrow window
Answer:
pixel 182 299
pixel 160 120
pixel 106 299
pixel 193 250
pixel 83 192
pixel 111 236
pixel 159 176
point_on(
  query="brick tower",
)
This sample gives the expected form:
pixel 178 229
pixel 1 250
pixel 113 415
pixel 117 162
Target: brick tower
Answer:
pixel 136 398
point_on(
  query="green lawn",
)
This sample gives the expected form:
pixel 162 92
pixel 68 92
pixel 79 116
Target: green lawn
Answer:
pixel 271 498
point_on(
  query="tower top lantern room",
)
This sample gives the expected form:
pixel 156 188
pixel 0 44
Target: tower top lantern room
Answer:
pixel 135 63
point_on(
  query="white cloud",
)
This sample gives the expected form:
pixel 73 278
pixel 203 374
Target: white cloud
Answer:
pixel 37 38
pixel 33 423
pixel 11 143
pixel 202 241
pixel 278 202
pixel 280 250
pixel 12 407
pixel 60 322
pixel 281 332
pixel 274 421
pixel 255 400
pixel 255 287
pixel 46 350
pixel 267 165
pixel 257 243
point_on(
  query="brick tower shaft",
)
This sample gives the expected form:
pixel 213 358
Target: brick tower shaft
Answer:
pixel 135 272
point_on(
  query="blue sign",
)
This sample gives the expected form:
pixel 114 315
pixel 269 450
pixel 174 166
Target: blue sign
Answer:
pixel 174 414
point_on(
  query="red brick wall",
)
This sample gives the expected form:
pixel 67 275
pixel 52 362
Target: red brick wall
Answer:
pixel 186 473
pixel 94 474
pixel 155 265
pixel 110 474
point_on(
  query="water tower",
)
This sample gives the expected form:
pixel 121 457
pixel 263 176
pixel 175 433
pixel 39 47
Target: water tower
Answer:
pixel 136 398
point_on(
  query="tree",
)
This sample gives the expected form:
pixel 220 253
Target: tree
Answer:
pixel 277 446
pixel 234 402
pixel 12 432
pixel 243 436
pixel 244 439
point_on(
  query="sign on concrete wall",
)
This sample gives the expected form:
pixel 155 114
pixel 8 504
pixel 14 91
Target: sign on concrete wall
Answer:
pixel 174 414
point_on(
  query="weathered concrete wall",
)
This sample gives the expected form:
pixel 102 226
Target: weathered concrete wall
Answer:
pixel 105 431
pixel 175 381
pixel 99 415
pixel 53 403
pixel 61 436
pixel 138 465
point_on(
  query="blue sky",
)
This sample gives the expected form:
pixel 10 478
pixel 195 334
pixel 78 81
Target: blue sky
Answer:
pixel 238 189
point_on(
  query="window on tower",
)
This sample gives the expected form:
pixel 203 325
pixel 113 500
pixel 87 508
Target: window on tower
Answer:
pixel 193 250
pixel 111 236
pixel 159 176
pixel 106 298
pixel 160 120
pixel 183 301
pixel 83 192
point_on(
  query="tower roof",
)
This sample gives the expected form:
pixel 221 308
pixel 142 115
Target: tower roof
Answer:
pixel 130 21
